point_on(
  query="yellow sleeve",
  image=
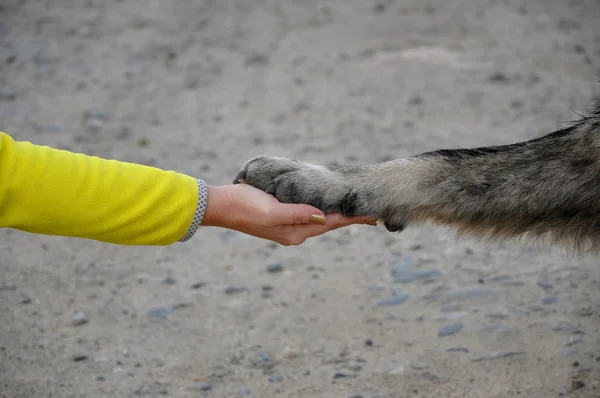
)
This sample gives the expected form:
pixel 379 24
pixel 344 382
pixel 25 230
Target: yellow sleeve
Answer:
pixel 56 192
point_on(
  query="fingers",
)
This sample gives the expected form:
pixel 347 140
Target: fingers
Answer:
pixel 307 221
pixel 304 214
pixel 287 214
pixel 333 221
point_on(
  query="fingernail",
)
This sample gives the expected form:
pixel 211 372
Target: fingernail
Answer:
pixel 372 221
pixel 317 219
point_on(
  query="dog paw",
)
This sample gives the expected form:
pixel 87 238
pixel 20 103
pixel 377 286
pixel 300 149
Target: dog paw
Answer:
pixel 291 181
pixel 337 189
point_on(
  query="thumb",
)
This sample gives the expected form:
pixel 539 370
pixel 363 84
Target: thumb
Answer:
pixel 298 214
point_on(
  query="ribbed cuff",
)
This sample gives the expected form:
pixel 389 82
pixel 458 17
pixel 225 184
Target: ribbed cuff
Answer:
pixel 200 209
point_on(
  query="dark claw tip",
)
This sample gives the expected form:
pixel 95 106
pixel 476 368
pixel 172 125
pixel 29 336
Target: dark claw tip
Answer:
pixel 240 178
pixel 394 227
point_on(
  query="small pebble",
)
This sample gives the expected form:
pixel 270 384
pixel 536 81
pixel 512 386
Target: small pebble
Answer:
pixel 228 235
pixel 100 378
pixel 257 59
pixel 534 308
pixel 264 360
pixel 290 353
pixel 451 316
pixel 7 93
pixel 405 263
pixel 586 311
pixel 123 133
pixel 416 100
pixel 516 104
pixel 566 24
pixel 458 349
pixel 47 128
pixel 497 355
pixel 500 278
pixel 498 328
pixel 534 78
pixel 451 307
pixel 265 357
pixel 379 7
pixel 450 329
pixel 275 267
pixel 574 340
pixel 275 378
pixel 418 366
pixel 95 113
pixel 411 276
pixel 220 373
pixel 545 284
pixel 394 300
pixel 549 300
pixel 354 368
pixel 79 318
pixel 235 289
pixel 430 376
pixel 468 293
pixel 356 396
pixel 244 392
pixel 495 316
pixel 160 312
pixel 205 387
pixel 93 126
pixel 79 357
pixel 513 283
pixel 198 285
pixel 567 328
pixel 179 306
pixel 279 118
pixel 498 78
pixel 169 280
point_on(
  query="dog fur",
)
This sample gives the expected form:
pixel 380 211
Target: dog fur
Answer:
pixel 548 187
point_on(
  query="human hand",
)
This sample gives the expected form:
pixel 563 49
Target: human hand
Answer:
pixel 246 209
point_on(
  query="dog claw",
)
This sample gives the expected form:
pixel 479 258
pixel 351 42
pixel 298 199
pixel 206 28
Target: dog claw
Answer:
pixel 394 227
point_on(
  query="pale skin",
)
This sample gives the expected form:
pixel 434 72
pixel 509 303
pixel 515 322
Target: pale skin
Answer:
pixel 251 211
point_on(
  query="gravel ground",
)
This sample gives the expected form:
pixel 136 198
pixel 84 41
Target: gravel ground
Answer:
pixel 201 86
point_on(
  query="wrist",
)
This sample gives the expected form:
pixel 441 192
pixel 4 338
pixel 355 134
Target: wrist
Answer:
pixel 218 208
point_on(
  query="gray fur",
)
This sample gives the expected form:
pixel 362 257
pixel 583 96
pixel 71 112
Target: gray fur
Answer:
pixel 544 188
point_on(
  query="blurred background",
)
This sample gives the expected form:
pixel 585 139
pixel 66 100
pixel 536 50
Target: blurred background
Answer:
pixel 200 87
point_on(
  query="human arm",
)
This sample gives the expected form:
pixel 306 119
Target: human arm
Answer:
pixel 55 192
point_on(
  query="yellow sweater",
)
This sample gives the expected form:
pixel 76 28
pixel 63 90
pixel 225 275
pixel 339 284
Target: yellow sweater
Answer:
pixel 56 192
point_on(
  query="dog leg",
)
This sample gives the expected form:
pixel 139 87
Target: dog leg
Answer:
pixel 546 187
